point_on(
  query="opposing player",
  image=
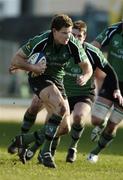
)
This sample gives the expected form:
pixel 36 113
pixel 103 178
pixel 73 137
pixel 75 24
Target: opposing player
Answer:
pixel 59 47
pixel 112 38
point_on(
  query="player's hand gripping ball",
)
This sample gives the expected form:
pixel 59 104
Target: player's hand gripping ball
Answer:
pixel 40 59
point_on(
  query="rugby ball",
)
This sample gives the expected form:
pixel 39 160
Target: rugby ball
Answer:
pixel 37 57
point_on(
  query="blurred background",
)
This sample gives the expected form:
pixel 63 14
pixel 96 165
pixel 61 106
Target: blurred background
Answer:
pixel 22 19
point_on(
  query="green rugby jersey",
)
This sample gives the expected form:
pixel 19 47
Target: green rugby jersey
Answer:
pixel 57 56
pixel 97 59
pixel 112 38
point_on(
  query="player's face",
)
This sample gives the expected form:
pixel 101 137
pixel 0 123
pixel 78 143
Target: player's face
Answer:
pixel 62 36
pixel 79 35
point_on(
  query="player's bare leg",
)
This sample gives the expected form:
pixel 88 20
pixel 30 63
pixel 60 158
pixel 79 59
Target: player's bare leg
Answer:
pixel 80 115
pixel 100 114
pixel 54 100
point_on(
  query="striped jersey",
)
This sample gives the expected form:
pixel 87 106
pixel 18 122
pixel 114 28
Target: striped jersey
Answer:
pixel 57 56
pixel 112 38
pixel 72 70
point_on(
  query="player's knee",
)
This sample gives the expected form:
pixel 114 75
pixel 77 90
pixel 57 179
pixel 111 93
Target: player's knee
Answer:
pixel 63 110
pixel 79 119
pixel 34 109
pixel 66 130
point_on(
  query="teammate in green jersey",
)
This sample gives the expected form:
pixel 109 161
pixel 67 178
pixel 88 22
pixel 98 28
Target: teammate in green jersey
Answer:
pixel 59 47
pixel 81 98
pixel 106 104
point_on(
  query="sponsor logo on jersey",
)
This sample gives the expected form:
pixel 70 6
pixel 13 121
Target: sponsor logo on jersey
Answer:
pixel 76 70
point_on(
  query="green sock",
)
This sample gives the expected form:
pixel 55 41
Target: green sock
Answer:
pixel 40 135
pixel 50 132
pixel 28 121
pixel 76 133
pixel 49 135
pixel 39 139
pixel 104 141
pixel 28 138
pixel 55 144
pixel 37 136
pixel 34 147
pixel 46 146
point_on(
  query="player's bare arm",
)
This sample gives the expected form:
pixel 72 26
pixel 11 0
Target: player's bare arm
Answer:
pixel 87 72
pixel 117 95
pixel 20 61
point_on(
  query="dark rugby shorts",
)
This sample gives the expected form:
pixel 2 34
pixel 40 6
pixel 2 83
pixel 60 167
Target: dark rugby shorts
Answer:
pixel 75 99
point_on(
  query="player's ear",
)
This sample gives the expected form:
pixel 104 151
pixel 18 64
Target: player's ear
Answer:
pixel 54 30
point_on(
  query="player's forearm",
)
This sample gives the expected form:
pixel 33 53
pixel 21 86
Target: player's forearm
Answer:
pixel 87 70
pixel 21 62
pixel 87 73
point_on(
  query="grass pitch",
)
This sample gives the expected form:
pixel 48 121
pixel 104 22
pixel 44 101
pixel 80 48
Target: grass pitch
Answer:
pixel 109 166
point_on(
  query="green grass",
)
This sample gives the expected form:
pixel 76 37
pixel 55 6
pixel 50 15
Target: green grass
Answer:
pixel 110 165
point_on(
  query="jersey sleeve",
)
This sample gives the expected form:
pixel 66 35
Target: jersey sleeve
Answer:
pixel 95 56
pixel 103 64
pixel 106 35
pixel 103 38
pixel 100 60
pixel 82 54
pixel 77 50
pixel 30 46
pixel 111 76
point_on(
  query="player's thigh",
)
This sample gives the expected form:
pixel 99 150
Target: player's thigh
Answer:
pixel 53 99
pixel 82 108
pixel 117 114
pixel 65 124
pixel 101 108
pixel 36 105
pixel 81 112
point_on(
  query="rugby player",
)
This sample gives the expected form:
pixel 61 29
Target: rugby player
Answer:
pixel 59 47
